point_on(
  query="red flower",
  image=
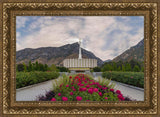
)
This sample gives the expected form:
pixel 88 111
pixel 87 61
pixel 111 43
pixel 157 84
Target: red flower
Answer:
pixel 81 85
pixel 118 92
pixel 99 86
pixel 112 90
pixel 79 98
pixel 100 93
pixel 53 99
pixel 70 77
pixel 64 98
pixel 90 90
pixel 71 93
pixel 95 90
pixel 59 94
pixel 87 86
pixel 80 89
pixel 67 85
pixel 84 89
pixel 120 97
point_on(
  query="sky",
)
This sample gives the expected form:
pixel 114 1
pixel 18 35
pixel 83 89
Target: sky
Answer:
pixel 105 36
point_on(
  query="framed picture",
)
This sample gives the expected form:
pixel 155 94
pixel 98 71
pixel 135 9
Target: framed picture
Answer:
pixel 79 58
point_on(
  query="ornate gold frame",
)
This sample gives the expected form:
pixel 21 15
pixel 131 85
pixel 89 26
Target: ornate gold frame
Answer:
pixel 11 9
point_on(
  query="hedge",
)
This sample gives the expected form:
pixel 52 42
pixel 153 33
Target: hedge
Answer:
pixel 29 78
pixel 131 78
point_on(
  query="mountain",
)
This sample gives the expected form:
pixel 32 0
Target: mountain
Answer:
pixel 53 55
pixel 134 53
pixel 107 60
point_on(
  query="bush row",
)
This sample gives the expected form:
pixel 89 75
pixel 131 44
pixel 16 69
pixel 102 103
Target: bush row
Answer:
pixel 29 78
pixel 131 78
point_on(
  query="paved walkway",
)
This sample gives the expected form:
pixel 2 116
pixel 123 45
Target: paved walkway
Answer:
pixel 30 93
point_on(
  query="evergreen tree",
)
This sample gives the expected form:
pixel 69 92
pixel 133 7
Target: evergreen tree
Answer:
pixel 142 69
pixel 20 67
pixel 136 68
pixel 25 67
pixel 119 68
pixel 96 69
pixel 45 67
pixel 128 67
pixel 37 66
pixel 30 66
pixel 53 67
pixel 33 66
pixel 123 68
pixel 114 66
pixel 41 67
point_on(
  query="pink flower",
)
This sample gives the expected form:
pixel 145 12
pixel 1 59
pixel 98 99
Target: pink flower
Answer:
pixel 87 100
pixel 84 89
pixel 120 97
pixel 90 90
pixel 67 85
pixel 112 90
pixel 118 92
pixel 79 98
pixel 59 94
pixel 87 86
pixel 131 76
pixel 53 99
pixel 95 90
pixel 80 89
pixel 64 98
pixel 74 89
pixel 71 93
pixel 106 98
pixel 99 86
pixel 100 93
pixel 81 85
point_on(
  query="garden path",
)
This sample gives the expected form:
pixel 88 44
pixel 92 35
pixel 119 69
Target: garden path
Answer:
pixel 30 93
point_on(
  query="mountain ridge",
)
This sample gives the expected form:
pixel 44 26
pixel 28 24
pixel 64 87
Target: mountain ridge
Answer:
pixel 133 53
pixel 53 55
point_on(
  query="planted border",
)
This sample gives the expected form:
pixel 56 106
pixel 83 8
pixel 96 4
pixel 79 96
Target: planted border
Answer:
pixel 29 78
pixel 131 78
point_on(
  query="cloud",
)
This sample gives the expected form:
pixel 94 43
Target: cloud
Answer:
pixel 105 36
pixel 21 21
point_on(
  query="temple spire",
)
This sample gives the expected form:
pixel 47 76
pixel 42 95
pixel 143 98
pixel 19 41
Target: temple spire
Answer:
pixel 80 54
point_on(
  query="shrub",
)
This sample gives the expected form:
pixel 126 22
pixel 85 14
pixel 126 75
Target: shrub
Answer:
pixel 131 78
pixel 29 78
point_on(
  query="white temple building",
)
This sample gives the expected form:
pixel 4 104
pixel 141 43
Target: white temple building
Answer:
pixel 80 64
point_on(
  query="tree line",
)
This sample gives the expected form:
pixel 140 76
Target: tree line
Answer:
pixel 39 67
pixel 132 65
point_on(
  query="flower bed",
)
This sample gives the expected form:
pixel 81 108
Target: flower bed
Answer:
pixel 83 88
